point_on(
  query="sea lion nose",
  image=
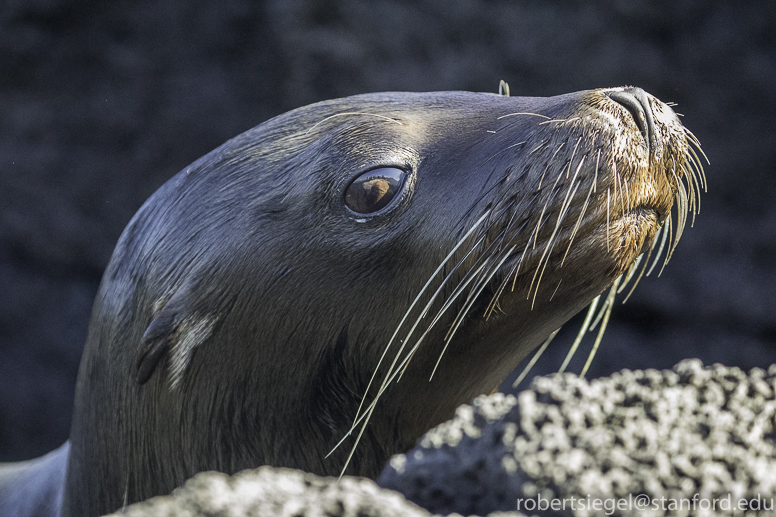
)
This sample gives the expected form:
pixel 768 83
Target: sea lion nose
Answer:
pixel 636 101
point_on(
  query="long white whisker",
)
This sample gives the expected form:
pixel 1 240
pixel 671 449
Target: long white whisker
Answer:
pixel 448 303
pixel 692 149
pixel 681 212
pixel 369 410
pixel 523 113
pixel 579 220
pixel 695 195
pixel 668 224
pixel 609 304
pixel 519 263
pixel 482 285
pixel 660 250
pixel 630 273
pixel 603 309
pixel 627 198
pixel 535 358
pixel 551 160
pixel 608 237
pixel 551 242
pixel 494 301
pixel 641 272
pixel 582 330
pixel 412 305
pixel 389 119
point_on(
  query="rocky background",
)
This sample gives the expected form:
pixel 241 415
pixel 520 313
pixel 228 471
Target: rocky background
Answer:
pixel 101 102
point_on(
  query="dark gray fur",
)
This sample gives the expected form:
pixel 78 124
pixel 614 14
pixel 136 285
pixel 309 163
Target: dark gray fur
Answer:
pixel 245 308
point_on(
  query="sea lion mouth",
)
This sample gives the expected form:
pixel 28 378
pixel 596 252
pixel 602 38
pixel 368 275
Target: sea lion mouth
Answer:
pixel 626 237
pixel 609 201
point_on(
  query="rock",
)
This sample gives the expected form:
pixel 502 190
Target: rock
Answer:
pixel 272 492
pixel 666 435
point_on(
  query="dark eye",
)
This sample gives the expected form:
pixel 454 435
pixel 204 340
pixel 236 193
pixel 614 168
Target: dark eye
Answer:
pixel 374 190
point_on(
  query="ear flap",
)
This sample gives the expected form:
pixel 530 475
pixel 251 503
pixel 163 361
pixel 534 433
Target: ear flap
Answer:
pixel 174 333
pixel 159 336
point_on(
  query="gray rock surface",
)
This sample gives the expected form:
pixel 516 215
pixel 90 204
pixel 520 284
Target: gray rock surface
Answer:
pixel 271 492
pixel 665 435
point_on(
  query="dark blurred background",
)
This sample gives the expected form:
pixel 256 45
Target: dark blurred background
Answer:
pixel 101 102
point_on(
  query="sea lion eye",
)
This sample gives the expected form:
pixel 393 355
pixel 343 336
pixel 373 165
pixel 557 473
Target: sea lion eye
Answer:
pixel 374 190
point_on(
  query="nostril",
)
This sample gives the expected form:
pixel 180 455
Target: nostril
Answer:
pixel 636 101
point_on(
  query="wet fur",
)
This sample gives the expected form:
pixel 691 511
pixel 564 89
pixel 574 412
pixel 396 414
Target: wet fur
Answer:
pixel 245 311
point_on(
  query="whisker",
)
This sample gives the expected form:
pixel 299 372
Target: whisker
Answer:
pixel 669 223
pixel 453 330
pixel 608 304
pixel 692 148
pixel 641 272
pixel 447 304
pixel 571 160
pixel 579 220
pixel 503 88
pixel 495 245
pixel 494 301
pixel 601 311
pixel 690 178
pixel 595 171
pixel 665 232
pixel 681 202
pixel 615 183
pixel 556 289
pixel 505 150
pixel 450 300
pixel 515 271
pixel 540 220
pixel 365 416
pixel 562 214
pixel 559 120
pixel 456 292
pixel 551 160
pixel 412 305
pixel 560 173
pixel 629 275
pixel 582 330
pixel 523 113
pixel 535 358
pixel 389 119
pixel 551 242
pixel 689 170
pixel 368 412
pixel 608 237
pixel 627 198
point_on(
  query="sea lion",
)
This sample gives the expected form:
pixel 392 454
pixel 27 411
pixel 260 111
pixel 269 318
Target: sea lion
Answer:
pixel 246 316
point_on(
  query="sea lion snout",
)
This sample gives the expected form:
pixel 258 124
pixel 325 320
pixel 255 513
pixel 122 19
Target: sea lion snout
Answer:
pixel 636 101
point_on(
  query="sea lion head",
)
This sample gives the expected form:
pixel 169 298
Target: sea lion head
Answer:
pixel 320 267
